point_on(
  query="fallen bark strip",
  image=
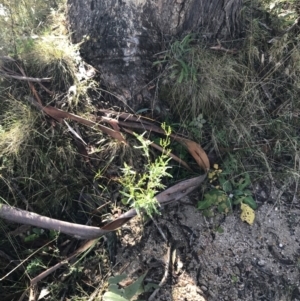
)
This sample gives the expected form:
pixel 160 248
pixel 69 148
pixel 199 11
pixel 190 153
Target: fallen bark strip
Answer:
pixel 171 194
pixel 29 218
pixel 78 231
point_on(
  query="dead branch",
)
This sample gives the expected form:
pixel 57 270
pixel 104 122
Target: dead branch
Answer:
pixel 29 218
pixel 164 279
pixel 31 79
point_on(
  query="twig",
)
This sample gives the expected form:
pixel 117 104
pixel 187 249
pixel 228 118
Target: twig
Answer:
pixel 31 79
pixel 23 295
pixel 7 58
pixel 33 293
pixel 221 48
pixel 296 23
pixel 80 250
pixel 21 263
pixel 75 133
pixel 78 231
pixel 47 90
pixel 164 279
pixel 159 230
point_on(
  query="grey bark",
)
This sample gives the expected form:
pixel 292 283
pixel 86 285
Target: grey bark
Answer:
pixel 119 38
pixel 30 218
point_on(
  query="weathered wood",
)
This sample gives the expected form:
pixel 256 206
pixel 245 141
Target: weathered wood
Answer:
pixel 119 38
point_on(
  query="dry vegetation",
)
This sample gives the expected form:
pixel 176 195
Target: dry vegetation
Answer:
pixel 246 91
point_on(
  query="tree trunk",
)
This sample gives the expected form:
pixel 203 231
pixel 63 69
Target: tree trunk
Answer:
pixel 119 38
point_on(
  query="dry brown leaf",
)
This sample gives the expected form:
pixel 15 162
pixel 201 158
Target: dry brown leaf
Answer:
pixel 179 190
pixel 59 115
pixel 85 246
pixel 194 148
pixel 117 223
pixel 196 151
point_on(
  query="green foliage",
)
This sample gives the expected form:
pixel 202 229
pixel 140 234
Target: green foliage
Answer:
pixel 37 233
pixel 195 126
pixel 179 67
pixel 38 163
pixel 139 190
pixel 226 193
pixel 130 292
pixel 35 266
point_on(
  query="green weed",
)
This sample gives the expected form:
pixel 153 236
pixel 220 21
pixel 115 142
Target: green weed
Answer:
pixel 178 66
pixel 35 265
pixel 226 193
pixel 139 190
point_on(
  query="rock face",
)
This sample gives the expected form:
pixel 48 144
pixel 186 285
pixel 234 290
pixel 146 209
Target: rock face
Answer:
pixel 119 38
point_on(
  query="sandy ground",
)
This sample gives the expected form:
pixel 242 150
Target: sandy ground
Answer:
pixel 258 262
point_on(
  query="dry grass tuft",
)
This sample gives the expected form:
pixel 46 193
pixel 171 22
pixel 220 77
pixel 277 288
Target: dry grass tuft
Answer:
pixel 249 99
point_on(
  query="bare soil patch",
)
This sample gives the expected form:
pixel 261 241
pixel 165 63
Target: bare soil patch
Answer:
pixel 258 262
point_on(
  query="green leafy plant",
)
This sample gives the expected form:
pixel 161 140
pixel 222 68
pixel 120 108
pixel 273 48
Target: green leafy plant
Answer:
pixel 227 193
pixel 118 293
pixel 195 126
pixel 180 68
pixel 35 266
pixel 36 233
pixel 139 190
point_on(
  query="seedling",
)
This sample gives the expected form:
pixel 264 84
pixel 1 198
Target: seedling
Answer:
pixel 139 190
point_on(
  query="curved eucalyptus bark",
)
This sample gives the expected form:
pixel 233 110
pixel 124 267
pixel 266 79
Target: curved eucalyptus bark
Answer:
pixel 30 218
pixel 169 195
pixel 119 38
